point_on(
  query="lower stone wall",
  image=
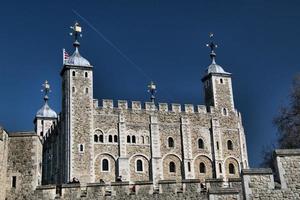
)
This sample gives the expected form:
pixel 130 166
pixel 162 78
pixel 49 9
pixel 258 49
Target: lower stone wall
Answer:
pixel 260 184
pixel 3 162
pixel 187 189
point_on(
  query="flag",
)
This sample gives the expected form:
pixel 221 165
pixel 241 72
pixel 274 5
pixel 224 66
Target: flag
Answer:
pixel 65 56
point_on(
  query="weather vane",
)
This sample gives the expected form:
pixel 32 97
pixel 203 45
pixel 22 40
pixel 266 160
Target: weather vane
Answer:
pixel 76 32
pixel 152 90
pixel 212 47
pixel 46 90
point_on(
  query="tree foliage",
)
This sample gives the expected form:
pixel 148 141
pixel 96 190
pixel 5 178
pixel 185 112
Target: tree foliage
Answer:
pixel 287 123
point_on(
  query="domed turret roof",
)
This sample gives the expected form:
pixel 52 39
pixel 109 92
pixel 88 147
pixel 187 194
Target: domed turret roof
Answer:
pixel 215 68
pixel 46 111
pixel 78 60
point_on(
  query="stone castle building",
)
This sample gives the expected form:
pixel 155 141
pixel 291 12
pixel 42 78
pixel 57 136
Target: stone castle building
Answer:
pixel 155 142
pixel 157 150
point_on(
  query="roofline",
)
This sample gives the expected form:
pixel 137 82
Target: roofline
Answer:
pixel 68 66
pixel 215 74
pixel 22 134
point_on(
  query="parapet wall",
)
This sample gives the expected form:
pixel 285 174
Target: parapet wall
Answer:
pixel 150 106
pixel 256 183
pixel 260 184
pixel 144 190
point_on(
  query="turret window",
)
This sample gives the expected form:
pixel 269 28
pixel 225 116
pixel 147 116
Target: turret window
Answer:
pixel 96 138
pixel 101 138
pixel 231 169
pixel 73 89
pixel 73 73
pixel 139 165
pixel 85 74
pixel 128 139
pixel 115 138
pixel 220 168
pixel 200 144
pixel 202 167
pixel 133 139
pixel 221 80
pixel 172 167
pixel 81 148
pixel 14 182
pixel 105 165
pixel 86 90
pixel 229 145
pixel 224 111
pixel 110 139
pixel 170 142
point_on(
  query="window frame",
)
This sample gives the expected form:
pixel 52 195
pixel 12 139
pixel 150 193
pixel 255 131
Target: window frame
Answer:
pixel 108 164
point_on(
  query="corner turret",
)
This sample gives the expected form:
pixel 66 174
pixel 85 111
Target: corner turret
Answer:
pixel 45 116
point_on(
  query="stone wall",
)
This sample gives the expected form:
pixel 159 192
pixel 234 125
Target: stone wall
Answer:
pixel 24 165
pixel 260 184
pixel 3 161
pixel 185 125
pixel 143 190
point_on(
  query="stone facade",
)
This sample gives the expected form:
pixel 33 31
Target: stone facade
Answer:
pixel 21 164
pixel 152 142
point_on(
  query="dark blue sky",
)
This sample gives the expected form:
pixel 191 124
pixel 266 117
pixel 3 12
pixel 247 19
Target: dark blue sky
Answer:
pixel 258 43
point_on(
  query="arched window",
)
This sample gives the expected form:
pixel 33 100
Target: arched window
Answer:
pixel 139 165
pixel 95 138
pixel 231 169
pixel 200 144
pixel 229 145
pixel 128 139
pixel 218 145
pixel 220 168
pixel 86 90
pixel 172 167
pixel 101 138
pixel 221 80
pixel 133 139
pixel 142 139
pixel 86 74
pixel 202 167
pixel 224 111
pixel 73 73
pixel 105 165
pixel 110 139
pixel 115 138
pixel 170 142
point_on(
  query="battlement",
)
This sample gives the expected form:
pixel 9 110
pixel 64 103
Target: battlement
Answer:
pixel 261 182
pixel 186 189
pixel 150 106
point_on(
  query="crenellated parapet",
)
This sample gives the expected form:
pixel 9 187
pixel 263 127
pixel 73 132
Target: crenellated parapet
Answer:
pixel 282 184
pixel 161 107
pixel 150 106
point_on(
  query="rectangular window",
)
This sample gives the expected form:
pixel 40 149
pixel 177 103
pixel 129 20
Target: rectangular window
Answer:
pixel 218 145
pixel 189 166
pixel 14 182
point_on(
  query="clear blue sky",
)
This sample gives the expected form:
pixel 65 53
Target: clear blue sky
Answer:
pixel 258 43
